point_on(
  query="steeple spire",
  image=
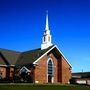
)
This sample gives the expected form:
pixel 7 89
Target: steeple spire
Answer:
pixel 47 24
pixel 46 40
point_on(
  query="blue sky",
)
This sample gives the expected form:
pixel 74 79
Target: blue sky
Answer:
pixel 22 23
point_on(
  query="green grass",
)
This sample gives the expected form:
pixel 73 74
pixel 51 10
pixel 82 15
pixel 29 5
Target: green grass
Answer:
pixel 42 87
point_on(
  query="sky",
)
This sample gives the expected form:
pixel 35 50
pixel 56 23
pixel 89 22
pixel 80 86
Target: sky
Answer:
pixel 22 23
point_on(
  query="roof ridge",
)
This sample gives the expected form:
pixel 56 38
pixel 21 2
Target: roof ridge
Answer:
pixel 36 49
pixel 9 50
pixel 31 50
pixel 81 72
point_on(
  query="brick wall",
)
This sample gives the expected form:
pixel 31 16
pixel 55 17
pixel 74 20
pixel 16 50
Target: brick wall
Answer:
pixel 12 71
pixel 41 69
pixel 66 72
pixel 6 72
pixel 62 72
pixel 59 70
pixel 3 72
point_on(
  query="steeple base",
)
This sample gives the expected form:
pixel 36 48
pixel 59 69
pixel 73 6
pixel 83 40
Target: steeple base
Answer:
pixel 45 46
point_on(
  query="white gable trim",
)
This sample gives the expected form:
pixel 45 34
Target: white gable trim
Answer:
pixel 43 55
pixel 63 55
pixel 35 62
pixel 24 68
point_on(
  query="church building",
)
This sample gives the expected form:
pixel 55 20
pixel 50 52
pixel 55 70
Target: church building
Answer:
pixel 43 65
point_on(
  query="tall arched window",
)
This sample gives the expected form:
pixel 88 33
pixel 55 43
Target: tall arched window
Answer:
pixel 50 67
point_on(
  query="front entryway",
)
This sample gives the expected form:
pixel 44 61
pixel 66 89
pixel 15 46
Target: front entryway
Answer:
pixel 25 75
pixel 49 79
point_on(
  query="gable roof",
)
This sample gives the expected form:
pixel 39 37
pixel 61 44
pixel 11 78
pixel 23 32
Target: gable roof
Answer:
pixel 2 61
pixel 54 50
pixel 31 56
pixel 8 57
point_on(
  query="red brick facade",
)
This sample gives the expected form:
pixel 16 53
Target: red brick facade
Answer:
pixel 3 72
pixel 38 71
pixel 6 72
pixel 62 72
pixel 66 71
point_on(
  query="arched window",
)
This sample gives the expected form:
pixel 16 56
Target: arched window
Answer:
pixel 50 67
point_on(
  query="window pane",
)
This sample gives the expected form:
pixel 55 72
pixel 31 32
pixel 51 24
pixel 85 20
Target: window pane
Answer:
pixel 50 67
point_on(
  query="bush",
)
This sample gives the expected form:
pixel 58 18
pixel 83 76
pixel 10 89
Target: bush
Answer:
pixel 73 81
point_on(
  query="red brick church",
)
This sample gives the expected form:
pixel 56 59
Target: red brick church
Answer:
pixel 43 65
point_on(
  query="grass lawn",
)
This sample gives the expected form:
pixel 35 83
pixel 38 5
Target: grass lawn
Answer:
pixel 42 87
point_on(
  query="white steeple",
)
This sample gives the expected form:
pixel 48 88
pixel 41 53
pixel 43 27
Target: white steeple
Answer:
pixel 46 40
pixel 47 25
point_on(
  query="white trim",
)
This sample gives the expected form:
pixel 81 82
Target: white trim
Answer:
pixel 25 69
pixel 63 56
pixel 43 55
pixel 35 62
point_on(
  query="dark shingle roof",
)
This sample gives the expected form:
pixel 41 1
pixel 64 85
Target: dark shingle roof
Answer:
pixel 81 74
pixel 30 56
pixel 8 57
pixel 2 61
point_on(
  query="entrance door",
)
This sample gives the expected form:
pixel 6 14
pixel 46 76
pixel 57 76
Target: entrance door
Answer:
pixel 49 79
